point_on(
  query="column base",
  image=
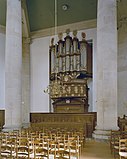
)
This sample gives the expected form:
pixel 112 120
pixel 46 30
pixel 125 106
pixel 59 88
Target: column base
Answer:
pixel 11 127
pixel 100 134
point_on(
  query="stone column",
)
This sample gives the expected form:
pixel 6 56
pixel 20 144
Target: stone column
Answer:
pixel 13 65
pixel 106 72
pixel 26 83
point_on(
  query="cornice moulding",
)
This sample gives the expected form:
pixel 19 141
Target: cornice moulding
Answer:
pixel 74 26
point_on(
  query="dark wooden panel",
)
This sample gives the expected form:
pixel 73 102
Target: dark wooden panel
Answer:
pixel 2 118
pixel 86 122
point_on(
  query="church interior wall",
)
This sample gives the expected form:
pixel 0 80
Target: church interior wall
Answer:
pixel 39 65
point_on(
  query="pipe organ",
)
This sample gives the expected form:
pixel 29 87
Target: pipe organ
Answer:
pixel 70 67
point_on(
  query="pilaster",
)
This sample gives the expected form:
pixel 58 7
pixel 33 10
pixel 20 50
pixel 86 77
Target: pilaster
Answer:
pixel 26 83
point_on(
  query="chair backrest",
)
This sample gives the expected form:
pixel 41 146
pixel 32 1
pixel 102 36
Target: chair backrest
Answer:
pixel 114 138
pixel 5 151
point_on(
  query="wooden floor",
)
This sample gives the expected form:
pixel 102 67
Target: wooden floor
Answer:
pixel 96 150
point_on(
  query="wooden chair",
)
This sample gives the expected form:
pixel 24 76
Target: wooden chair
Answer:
pixel 41 150
pixel 114 141
pixel 11 142
pixel 123 148
pixel 71 151
pixel 54 149
pixel 5 151
pixel 22 152
pixel 22 148
pixel 122 135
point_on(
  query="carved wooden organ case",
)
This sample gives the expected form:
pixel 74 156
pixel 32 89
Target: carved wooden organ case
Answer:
pixel 70 67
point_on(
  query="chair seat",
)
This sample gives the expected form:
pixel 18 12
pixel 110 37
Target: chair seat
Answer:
pixel 123 154
pixel 5 153
pixel 116 147
pixel 51 156
pixel 72 150
pixel 71 157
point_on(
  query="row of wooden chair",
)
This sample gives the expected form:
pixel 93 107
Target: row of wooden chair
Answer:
pixel 30 144
pixel 57 132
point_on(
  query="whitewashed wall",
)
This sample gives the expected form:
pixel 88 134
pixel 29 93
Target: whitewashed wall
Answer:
pixel 39 52
pixel 122 70
pixel 2 71
pixel 39 63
